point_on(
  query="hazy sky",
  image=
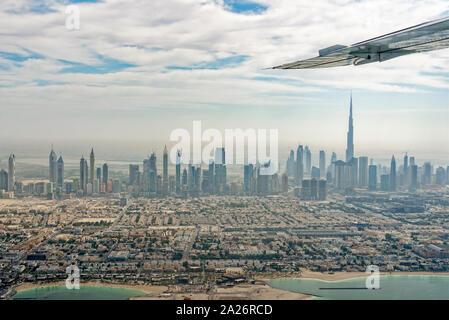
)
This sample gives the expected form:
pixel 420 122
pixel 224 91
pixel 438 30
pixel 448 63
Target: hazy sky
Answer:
pixel 138 69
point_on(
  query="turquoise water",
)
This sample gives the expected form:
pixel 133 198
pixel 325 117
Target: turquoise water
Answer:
pixel 84 293
pixel 391 288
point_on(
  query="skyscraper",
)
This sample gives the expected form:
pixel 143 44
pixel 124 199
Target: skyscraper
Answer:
pixel 384 182
pixel 350 137
pixel 308 161
pixel 393 174
pixel 60 172
pixel 153 173
pixel 263 181
pixel 153 166
pixel 447 175
pixel 340 180
pixel 105 174
pixel 440 176
pixel 220 170
pixel 331 168
pixel 299 166
pixel 372 177
pixel 291 164
pixel 178 171
pixel 3 180
pixel 306 189
pixel 165 172
pixel 363 172
pixel 92 166
pixel 197 180
pixel 315 173
pixel 413 177
pixel 322 164
pixel 322 190
pixel 247 177
pixel 184 177
pixel 211 176
pixel 11 172
pixel 83 174
pixel 133 173
pixel 406 169
pixel 192 172
pixel 427 175
pixel 220 156
pixel 285 183
pixel 353 165
pixel 52 164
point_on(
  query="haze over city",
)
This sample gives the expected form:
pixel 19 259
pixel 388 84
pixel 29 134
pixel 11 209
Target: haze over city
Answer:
pixel 128 78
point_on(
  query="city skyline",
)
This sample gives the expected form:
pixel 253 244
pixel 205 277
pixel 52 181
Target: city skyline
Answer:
pixel 343 175
pixel 315 160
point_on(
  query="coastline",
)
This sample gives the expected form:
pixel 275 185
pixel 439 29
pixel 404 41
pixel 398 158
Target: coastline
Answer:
pixel 343 275
pixel 258 291
pixel 146 289
pixel 243 291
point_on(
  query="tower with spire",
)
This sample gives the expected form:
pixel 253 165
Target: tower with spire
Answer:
pixel 299 165
pixel 178 171
pixel 350 137
pixel 11 173
pixel 92 166
pixel 52 164
pixel 83 174
pixel 393 174
pixel 406 169
pixel 60 171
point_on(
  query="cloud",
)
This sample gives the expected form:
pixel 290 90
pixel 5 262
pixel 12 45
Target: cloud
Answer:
pixel 228 62
pixel 207 54
pixel 106 65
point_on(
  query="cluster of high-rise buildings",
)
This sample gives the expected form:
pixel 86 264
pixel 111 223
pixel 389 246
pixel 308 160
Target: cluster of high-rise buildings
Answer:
pixel 190 180
pixel 93 181
pixel 148 181
pixel 8 178
pixel 353 172
pixel 305 180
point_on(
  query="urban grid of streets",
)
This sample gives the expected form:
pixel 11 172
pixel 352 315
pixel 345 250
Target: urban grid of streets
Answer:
pixel 192 241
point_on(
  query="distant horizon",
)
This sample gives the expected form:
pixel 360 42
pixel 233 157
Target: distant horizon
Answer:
pixel 126 151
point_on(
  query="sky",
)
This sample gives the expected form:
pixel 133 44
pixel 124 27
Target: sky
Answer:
pixel 138 69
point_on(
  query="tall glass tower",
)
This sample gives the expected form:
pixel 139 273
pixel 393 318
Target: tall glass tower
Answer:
pixel 60 171
pixel 11 172
pixel 393 174
pixel 52 166
pixel 92 166
pixel 350 138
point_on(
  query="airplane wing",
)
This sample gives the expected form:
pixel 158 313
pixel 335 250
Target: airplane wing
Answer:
pixel 427 36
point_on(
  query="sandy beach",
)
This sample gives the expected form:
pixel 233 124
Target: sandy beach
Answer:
pixel 148 289
pixel 338 276
pixel 259 291
pixel 238 292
